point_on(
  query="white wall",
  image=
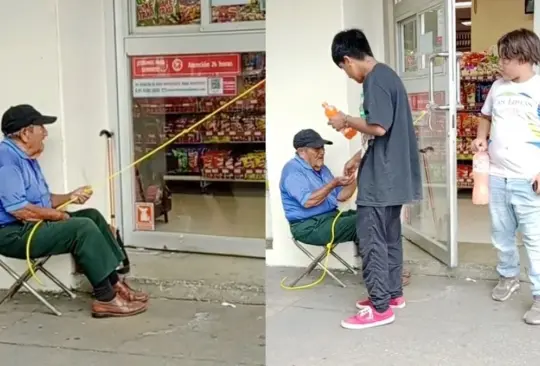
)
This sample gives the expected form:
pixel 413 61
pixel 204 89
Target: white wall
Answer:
pixel 55 60
pixel 300 76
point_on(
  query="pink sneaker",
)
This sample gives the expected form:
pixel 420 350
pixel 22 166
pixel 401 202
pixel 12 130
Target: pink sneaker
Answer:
pixel 368 317
pixel 397 303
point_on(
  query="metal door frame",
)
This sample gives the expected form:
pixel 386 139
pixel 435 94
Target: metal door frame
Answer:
pixel 445 252
pixel 153 44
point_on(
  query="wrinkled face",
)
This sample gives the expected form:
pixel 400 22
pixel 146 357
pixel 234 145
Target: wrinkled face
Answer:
pixel 314 157
pixel 33 138
pixel 353 69
pixel 510 69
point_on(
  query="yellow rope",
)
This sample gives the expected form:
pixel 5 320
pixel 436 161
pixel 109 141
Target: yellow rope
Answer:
pixel 133 164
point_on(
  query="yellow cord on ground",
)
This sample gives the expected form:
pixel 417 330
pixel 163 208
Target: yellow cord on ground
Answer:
pixel 136 162
pixel 329 248
pixel 331 245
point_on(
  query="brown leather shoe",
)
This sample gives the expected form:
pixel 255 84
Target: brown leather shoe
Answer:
pixel 126 292
pixel 117 307
pixel 405 277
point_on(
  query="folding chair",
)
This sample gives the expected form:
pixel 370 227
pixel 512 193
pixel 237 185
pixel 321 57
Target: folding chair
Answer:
pixel 316 262
pixel 21 281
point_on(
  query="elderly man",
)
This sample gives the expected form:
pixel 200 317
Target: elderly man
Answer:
pixel 25 198
pixel 310 195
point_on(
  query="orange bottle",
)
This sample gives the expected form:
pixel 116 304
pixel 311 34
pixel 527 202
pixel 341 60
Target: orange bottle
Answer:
pixel 480 194
pixel 330 112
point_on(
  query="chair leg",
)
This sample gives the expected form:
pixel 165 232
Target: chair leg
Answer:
pixel 332 275
pixel 38 265
pixel 342 261
pixel 310 268
pixel 317 262
pixel 42 299
pixel 58 282
pixel 16 277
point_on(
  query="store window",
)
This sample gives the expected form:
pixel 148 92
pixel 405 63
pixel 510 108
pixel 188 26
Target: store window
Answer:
pixel 227 11
pixel 180 16
pixel 409 45
pixel 212 180
pixel 432 35
pixel 167 12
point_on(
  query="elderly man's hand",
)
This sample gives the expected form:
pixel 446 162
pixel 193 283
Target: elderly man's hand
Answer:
pixel 81 195
pixel 343 181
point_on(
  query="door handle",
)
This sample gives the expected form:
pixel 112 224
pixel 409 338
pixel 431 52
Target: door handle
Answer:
pixel 459 106
pixel 431 78
pixel 432 106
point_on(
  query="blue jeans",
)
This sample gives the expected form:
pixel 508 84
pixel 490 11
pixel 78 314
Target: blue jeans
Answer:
pixel 514 205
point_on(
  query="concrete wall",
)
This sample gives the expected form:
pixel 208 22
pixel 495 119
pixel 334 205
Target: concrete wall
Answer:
pixel 493 18
pixel 53 57
pixel 300 76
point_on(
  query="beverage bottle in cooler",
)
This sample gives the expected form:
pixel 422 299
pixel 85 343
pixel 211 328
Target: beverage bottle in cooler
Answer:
pixel 330 111
pixel 480 194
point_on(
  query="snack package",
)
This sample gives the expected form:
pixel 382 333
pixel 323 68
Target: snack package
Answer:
pixel 470 93
pixel 190 11
pixel 182 160
pixel 193 161
pixel 146 12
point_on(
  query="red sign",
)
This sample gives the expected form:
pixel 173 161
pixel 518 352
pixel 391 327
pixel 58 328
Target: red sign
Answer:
pixel 419 101
pixel 185 65
pixel 230 86
pixel 144 216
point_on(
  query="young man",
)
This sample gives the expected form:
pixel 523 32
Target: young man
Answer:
pixel 389 178
pixel 512 121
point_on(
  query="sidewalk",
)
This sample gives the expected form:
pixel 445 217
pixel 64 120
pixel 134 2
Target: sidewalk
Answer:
pixel 447 322
pixel 172 332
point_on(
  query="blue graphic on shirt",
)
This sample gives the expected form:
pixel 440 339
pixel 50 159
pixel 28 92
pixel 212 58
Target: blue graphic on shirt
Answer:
pixel 534 120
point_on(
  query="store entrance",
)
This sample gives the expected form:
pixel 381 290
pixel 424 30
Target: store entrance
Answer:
pixel 427 63
pixel 422 29
pixel 203 191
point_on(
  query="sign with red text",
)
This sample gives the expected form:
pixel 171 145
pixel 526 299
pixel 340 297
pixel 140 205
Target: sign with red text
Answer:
pixel 199 86
pixel 173 66
pixel 419 101
pixel 144 216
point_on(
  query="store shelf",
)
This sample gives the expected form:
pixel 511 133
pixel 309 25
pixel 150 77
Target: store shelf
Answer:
pixel 199 178
pixel 465 184
pixel 479 78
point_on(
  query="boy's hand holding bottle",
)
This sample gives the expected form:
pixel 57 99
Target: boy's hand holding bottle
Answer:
pixel 479 145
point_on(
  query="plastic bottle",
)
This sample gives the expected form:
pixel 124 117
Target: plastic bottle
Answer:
pixel 480 194
pixel 330 112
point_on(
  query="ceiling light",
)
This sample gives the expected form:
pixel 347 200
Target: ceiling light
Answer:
pixel 467 23
pixel 464 5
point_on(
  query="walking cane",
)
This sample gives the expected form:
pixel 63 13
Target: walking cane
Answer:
pixel 112 202
pixel 424 153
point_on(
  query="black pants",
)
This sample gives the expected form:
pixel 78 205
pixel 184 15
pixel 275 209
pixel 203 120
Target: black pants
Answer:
pixel 379 237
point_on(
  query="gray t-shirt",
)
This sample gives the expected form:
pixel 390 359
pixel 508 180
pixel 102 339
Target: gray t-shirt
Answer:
pixel 390 172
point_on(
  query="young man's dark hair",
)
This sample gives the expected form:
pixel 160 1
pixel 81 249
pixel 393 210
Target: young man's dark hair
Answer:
pixel 522 45
pixel 350 43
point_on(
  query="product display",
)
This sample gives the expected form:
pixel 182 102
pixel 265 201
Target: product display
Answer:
pixel 225 156
pixel 168 12
pixel 255 10
pixel 479 70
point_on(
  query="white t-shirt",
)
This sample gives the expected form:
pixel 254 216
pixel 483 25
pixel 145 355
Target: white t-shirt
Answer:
pixel 514 109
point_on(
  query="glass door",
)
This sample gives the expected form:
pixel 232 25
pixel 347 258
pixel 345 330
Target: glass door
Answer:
pixel 429 66
pixel 202 190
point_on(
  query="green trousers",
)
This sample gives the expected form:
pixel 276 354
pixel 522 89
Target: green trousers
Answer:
pixel 317 230
pixel 86 235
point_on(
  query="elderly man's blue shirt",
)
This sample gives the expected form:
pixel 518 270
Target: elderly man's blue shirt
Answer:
pixel 21 182
pixel 298 181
